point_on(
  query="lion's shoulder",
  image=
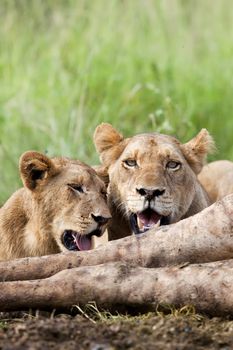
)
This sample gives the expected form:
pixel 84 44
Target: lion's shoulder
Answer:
pixel 217 179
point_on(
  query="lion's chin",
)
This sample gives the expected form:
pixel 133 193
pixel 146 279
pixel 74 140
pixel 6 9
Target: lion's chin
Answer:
pixel 75 241
pixel 146 220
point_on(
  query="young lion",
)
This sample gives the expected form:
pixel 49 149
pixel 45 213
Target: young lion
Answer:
pixel 152 178
pixel 60 208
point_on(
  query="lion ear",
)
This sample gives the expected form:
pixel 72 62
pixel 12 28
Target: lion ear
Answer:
pixel 35 167
pixel 109 143
pixel 195 151
pixel 105 137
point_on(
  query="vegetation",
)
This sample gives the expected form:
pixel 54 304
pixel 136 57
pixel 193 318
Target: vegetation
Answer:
pixel 143 65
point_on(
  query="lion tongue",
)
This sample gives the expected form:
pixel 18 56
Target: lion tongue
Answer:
pixel 148 219
pixel 83 242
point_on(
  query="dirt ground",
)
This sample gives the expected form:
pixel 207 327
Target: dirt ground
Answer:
pixel 151 331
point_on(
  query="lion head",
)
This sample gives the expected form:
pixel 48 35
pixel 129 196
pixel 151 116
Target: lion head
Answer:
pixel 61 207
pixel 152 177
pixel 69 197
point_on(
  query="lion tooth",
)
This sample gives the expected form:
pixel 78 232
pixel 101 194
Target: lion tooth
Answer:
pixel 152 226
pixel 140 224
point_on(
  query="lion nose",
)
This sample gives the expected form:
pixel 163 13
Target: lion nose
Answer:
pixel 150 193
pixel 100 219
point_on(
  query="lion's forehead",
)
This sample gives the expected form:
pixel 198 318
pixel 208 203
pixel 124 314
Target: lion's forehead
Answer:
pixel 152 147
pixel 74 165
pixel 81 174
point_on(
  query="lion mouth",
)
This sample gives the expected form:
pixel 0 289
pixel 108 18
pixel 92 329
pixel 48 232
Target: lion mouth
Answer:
pixel 73 240
pixel 147 219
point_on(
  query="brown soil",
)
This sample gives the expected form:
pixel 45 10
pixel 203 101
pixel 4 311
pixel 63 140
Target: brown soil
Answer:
pixel 150 331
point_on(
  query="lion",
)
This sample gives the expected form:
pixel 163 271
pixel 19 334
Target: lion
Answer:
pixel 152 178
pixel 61 207
pixel 217 179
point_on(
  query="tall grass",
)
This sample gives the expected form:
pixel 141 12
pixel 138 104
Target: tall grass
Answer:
pixel 66 65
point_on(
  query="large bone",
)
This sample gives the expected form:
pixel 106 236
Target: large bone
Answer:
pixel 209 287
pixel 205 237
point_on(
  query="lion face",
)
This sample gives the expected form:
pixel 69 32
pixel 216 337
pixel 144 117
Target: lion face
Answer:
pixel 68 200
pixel 152 177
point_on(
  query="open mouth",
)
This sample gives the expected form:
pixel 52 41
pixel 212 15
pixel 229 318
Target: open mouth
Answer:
pixel 73 240
pixel 147 219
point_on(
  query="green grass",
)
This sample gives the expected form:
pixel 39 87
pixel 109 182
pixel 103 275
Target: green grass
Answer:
pixel 142 65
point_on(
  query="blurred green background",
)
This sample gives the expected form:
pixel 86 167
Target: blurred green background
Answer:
pixel 143 65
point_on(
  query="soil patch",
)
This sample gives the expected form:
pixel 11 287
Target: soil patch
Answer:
pixel 150 331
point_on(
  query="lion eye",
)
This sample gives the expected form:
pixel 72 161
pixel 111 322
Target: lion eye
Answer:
pixel 130 163
pixel 173 165
pixel 77 188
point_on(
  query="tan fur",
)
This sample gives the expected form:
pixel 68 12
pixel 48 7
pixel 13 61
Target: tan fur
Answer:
pixel 217 179
pixel 183 195
pixel 34 218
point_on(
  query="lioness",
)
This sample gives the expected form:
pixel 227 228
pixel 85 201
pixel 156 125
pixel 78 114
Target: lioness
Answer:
pixel 152 178
pixel 60 208
pixel 217 179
